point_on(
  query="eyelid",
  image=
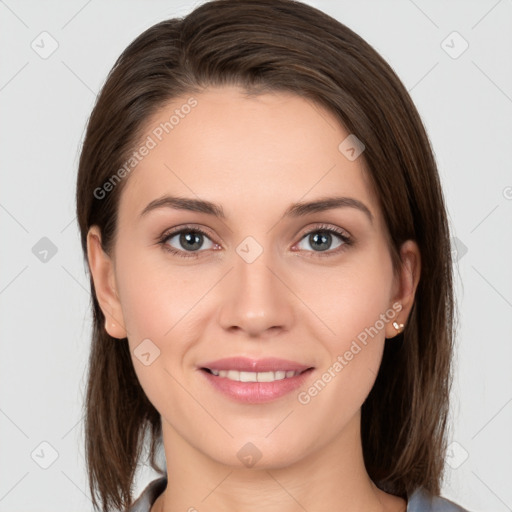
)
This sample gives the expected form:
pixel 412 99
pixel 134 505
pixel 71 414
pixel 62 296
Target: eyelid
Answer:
pixel 325 227
pixel 187 227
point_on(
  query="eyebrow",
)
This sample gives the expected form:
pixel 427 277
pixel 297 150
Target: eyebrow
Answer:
pixel 295 210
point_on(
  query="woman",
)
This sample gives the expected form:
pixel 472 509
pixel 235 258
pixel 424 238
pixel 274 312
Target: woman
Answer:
pixel 270 264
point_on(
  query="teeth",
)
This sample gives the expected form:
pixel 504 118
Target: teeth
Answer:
pixel 255 376
pixel 266 376
pixel 247 377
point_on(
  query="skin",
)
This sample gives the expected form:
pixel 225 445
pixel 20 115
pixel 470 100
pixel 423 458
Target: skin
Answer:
pixel 254 156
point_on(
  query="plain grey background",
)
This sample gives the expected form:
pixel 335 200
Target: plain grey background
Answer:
pixel 454 58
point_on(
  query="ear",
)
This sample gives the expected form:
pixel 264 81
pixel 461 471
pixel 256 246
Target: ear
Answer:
pixel 405 285
pixel 102 271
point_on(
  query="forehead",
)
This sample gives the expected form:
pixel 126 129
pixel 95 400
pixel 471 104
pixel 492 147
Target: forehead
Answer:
pixel 246 152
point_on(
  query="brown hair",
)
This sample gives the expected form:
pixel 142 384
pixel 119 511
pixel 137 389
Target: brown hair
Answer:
pixel 272 45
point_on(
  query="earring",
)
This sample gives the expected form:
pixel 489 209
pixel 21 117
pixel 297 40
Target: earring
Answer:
pixel 398 326
pixel 106 323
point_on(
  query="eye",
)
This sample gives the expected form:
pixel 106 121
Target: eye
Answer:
pixel 186 240
pixel 189 242
pixel 325 239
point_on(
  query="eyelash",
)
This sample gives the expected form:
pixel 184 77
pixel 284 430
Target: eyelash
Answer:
pixel 347 240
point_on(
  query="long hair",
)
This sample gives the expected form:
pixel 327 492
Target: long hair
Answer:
pixel 278 45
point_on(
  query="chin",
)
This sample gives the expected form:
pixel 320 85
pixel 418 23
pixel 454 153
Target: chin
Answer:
pixel 258 453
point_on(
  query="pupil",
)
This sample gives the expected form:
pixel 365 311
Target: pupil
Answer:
pixel 191 240
pixel 322 240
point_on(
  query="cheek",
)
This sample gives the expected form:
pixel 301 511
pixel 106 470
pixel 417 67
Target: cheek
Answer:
pixel 354 303
pixel 157 301
pixel 350 298
pixel 163 310
pixel 157 296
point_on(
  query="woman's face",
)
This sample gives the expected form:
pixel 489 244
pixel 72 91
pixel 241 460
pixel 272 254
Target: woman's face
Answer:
pixel 268 280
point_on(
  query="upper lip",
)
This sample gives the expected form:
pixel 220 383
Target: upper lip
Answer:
pixel 245 364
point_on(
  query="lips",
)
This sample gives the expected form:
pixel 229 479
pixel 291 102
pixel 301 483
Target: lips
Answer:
pixel 255 380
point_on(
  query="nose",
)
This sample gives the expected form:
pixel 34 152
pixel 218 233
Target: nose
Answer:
pixel 256 299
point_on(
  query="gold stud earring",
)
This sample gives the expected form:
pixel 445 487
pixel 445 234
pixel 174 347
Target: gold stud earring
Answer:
pixel 398 326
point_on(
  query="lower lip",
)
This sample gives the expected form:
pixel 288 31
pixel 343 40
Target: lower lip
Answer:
pixel 256 392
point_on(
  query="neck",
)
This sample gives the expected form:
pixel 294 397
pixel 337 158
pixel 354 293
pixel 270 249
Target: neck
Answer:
pixel 333 477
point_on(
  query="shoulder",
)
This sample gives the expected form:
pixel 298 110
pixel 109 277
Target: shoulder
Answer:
pixel 422 501
pixel 149 495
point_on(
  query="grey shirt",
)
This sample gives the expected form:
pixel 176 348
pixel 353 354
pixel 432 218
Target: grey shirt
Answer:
pixel 419 501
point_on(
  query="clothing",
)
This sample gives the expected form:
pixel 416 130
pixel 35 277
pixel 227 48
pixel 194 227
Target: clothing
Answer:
pixel 419 501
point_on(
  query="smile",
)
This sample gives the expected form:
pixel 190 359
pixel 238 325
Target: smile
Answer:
pixel 254 381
